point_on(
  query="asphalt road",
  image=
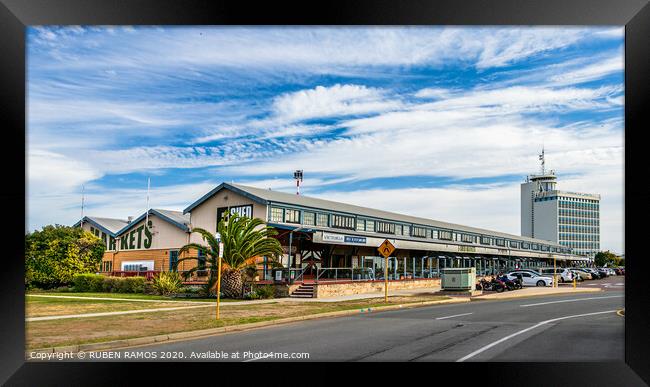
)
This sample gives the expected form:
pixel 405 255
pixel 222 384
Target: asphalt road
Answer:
pixel 581 327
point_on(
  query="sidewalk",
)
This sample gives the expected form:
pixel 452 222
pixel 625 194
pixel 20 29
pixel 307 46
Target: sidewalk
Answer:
pixel 350 297
pixel 534 291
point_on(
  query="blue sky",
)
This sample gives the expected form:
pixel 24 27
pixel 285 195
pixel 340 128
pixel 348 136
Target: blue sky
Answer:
pixel 440 122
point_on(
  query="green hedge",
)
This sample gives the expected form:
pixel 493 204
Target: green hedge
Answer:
pixel 100 283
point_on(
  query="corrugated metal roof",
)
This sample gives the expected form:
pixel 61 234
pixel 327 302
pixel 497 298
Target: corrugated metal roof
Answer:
pixel 306 201
pixel 176 216
pixel 111 224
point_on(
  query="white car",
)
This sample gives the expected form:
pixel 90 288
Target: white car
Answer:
pixel 564 274
pixel 531 279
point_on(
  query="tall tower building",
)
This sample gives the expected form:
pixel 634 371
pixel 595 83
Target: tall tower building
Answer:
pixel 571 219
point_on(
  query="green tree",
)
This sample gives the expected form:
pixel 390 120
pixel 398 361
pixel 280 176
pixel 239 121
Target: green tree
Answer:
pixel 56 253
pixel 603 258
pixel 245 240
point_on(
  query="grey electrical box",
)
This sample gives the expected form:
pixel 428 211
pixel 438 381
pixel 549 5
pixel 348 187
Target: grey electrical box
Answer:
pixel 458 278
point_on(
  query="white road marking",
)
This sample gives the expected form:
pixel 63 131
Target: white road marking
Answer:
pixel 485 348
pixel 571 300
pixel 456 315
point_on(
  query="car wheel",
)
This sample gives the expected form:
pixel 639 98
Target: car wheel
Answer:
pixel 541 283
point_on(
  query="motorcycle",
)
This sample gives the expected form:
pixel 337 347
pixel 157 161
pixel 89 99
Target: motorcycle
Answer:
pixel 497 285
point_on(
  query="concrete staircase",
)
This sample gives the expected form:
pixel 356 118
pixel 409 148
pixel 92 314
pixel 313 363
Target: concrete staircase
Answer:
pixel 304 291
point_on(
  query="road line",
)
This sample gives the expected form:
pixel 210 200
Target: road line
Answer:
pixel 85 315
pixel 485 348
pixel 456 315
pixel 571 300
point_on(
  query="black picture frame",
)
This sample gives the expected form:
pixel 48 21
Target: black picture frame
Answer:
pixel 15 15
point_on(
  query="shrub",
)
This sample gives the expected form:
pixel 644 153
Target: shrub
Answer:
pixel 88 283
pixel 134 285
pixel 266 291
pixel 111 284
pixel 167 282
pixel 251 295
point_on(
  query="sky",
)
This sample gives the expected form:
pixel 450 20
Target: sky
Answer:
pixel 438 122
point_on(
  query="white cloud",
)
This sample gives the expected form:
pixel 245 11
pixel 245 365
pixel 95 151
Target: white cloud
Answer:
pixel 591 71
pixel 337 100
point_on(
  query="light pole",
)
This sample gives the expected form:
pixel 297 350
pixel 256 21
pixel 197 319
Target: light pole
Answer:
pixel 218 237
pixel 290 242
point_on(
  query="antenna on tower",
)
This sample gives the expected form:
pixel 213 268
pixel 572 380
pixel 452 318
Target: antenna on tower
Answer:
pixel 146 223
pixel 83 189
pixel 541 157
pixel 297 175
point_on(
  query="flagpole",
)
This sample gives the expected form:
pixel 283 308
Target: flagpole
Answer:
pixel 146 224
pixel 82 205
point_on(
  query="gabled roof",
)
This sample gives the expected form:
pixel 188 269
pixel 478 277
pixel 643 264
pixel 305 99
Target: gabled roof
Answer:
pixel 176 218
pixel 108 225
pixel 266 196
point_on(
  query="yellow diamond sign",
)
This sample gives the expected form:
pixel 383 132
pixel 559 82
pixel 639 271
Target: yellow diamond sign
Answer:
pixel 386 248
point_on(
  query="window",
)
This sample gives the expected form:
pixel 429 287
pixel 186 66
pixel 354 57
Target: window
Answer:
pixel 525 245
pixel 322 220
pixel 370 225
pixel 485 240
pixel 291 216
pixel 361 225
pixel 407 230
pixel 419 232
pixel 444 235
pixel 309 218
pixel 398 229
pixel 201 259
pixel 385 227
pixel 500 242
pixel 467 238
pixel 544 248
pixel 535 246
pixel 173 259
pixel 342 221
pixel 514 244
pixel 277 214
pixel 434 234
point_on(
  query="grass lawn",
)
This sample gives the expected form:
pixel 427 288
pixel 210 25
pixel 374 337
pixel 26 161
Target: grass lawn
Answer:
pixel 129 295
pixel 42 334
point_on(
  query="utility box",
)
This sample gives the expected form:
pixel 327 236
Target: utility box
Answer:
pixel 458 278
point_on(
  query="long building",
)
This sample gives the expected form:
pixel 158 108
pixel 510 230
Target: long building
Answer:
pixel 323 239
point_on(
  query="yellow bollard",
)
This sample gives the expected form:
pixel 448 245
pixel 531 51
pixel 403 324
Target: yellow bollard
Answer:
pixel 574 282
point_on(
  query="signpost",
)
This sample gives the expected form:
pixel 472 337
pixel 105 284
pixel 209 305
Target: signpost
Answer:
pixel 219 277
pixel 386 249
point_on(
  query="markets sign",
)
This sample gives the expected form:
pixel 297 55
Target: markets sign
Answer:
pixel 327 237
pixel 138 238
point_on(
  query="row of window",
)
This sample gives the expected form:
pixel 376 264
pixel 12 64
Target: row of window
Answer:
pixel 579 237
pixel 579 213
pixel 578 228
pixel 569 199
pixel 346 222
pixel 585 221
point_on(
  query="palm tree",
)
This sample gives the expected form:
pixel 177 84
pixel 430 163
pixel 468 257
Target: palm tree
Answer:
pixel 244 242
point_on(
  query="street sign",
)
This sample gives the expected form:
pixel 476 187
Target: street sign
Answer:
pixel 386 248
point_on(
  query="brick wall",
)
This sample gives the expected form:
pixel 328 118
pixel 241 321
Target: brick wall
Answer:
pixel 160 257
pixel 342 289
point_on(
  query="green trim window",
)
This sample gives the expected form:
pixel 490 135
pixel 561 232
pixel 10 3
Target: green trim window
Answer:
pixel 525 245
pixel 291 216
pixel 419 232
pixel 486 240
pixel 514 244
pixel 342 221
pixel 322 220
pixel 201 260
pixel 385 227
pixel 398 229
pixel 434 234
pixel 309 218
pixel 277 214
pixel 173 259
pixel 407 230
pixel 500 242
pixel 361 225
pixel 370 225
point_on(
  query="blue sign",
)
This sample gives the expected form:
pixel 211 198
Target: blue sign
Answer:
pixel 353 239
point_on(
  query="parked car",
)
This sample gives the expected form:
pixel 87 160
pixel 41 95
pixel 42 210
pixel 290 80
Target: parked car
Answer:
pixel 611 271
pixel 603 272
pixel 527 270
pixel 578 275
pixel 563 274
pixel 530 279
pixel 595 274
pixel 584 273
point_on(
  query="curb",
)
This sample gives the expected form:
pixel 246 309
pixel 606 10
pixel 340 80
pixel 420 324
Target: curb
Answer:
pixel 123 343
pixel 481 298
